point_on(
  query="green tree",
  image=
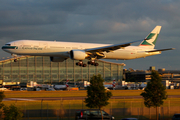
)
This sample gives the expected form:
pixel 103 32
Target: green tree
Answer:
pixel 97 95
pixel 9 112
pixel 155 92
pixel 12 113
pixel 2 96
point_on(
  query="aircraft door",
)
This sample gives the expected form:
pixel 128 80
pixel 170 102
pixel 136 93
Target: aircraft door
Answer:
pixel 43 46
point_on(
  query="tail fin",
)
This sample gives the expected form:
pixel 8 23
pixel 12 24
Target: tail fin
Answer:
pixel 67 83
pixel 150 40
pixel 114 83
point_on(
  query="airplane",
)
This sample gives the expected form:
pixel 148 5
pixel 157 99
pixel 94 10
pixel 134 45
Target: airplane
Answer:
pixel 60 51
pixel 112 86
pixel 62 87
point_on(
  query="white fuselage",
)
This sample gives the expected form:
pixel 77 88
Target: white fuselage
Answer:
pixel 60 87
pixel 61 49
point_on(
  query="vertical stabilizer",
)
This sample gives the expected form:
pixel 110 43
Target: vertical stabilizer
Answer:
pixel 150 40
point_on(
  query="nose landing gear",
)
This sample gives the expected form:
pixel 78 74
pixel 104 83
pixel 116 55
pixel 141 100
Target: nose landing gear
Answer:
pixel 15 60
pixel 15 57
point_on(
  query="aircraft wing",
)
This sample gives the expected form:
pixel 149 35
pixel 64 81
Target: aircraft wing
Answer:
pixel 110 48
pixel 161 50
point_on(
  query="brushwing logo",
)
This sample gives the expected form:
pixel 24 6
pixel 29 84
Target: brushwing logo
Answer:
pixel 150 39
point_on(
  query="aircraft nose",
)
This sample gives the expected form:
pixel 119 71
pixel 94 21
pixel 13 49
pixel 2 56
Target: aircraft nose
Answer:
pixel 3 47
pixel 8 47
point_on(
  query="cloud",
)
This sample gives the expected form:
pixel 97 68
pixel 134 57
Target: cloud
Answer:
pixel 101 21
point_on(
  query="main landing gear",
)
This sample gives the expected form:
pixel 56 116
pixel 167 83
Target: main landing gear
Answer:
pixel 80 63
pixel 93 63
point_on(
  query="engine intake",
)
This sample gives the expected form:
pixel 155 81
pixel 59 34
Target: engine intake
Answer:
pixel 77 54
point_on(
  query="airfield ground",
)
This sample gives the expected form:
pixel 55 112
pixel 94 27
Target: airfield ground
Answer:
pixel 118 107
pixel 80 93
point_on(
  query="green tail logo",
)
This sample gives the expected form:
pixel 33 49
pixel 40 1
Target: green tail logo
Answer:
pixel 151 39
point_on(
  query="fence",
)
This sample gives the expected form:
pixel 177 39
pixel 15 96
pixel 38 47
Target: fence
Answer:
pixel 65 109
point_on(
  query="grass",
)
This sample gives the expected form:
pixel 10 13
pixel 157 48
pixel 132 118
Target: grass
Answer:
pixel 81 93
pixel 115 104
pixel 36 94
pixel 78 104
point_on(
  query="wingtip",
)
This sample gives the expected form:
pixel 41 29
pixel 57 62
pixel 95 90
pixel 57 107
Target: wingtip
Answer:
pixel 159 25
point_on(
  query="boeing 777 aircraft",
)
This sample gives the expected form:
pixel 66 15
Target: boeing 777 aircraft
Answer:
pixel 60 51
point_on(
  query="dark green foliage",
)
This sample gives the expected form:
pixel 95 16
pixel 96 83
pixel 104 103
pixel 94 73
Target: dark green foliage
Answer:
pixel 2 96
pixel 12 113
pixel 9 113
pixel 97 96
pixel 155 92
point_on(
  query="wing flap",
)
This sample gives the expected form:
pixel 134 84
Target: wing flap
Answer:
pixel 110 48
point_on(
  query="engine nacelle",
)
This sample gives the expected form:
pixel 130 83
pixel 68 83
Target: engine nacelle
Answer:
pixel 57 59
pixel 77 54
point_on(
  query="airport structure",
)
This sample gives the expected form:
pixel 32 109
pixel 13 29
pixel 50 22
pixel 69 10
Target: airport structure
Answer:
pixel 145 76
pixel 41 70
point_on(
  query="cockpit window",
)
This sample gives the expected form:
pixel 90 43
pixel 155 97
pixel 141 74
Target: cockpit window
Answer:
pixel 8 44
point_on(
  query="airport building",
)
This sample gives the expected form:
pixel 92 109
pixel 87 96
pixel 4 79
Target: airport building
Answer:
pixel 41 70
pixel 145 76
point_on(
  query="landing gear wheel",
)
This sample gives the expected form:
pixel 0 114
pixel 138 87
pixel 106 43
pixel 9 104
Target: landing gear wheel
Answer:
pixel 84 65
pixel 80 63
pixel 15 57
pixel 15 60
pixel 91 62
pixel 96 64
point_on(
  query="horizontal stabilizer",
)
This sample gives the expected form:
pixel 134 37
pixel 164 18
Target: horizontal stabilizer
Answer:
pixel 161 50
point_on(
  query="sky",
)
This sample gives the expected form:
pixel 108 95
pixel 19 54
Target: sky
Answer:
pixel 96 21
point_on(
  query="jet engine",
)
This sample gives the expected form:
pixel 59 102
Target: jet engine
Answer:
pixel 57 59
pixel 77 54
